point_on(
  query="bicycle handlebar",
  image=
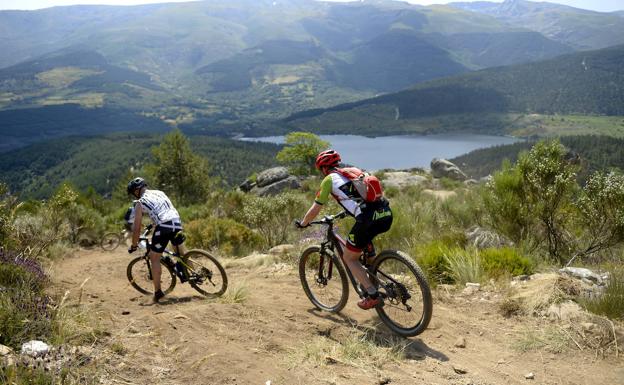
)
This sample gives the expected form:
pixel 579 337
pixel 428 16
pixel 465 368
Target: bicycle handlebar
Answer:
pixel 328 219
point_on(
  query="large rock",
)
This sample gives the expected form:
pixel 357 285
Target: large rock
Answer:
pixel 35 348
pixel 442 168
pixel 583 274
pixel 5 350
pixel 271 176
pixel 275 188
pixel 401 179
pixel 483 239
pixel 247 185
pixel 565 311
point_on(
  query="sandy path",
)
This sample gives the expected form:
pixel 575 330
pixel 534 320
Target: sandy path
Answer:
pixel 190 340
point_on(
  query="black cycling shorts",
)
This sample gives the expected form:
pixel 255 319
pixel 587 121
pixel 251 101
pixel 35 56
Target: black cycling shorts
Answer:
pixel 374 220
pixel 163 235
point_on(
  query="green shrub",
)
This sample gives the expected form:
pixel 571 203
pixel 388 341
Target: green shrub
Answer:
pixel 611 302
pixel 273 217
pixel 505 261
pixel 16 277
pixel 464 265
pixel 22 375
pixel 431 259
pixel 227 235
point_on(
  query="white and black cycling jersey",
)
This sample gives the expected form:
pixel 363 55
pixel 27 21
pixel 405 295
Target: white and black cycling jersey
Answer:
pixel 159 208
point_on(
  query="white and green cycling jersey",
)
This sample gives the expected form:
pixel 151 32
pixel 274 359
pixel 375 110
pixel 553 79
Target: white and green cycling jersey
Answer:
pixel 342 189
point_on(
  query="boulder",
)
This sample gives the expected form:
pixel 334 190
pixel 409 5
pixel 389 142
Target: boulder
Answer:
pixel 565 311
pixel 35 348
pixel 282 250
pixel 5 350
pixel 583 274
pixel 442 168
pixel 275 188
pixel 482 238
pixel 247 185
pixel 271 175
pixel 401 179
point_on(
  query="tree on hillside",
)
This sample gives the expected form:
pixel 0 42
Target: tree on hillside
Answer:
pixel 533 199
pixel 601 206
pixel 300 152
pixel 178 171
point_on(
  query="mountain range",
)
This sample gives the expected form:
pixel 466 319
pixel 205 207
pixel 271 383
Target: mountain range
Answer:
pixel 237 66
pixel 577 28
pixel 491 100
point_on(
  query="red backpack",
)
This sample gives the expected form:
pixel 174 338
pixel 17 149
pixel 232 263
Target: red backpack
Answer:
pixel 368 186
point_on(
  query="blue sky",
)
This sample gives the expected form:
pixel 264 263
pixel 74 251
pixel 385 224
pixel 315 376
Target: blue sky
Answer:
pixel 596 5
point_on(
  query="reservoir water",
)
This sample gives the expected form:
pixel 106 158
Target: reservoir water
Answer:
pixel 405 151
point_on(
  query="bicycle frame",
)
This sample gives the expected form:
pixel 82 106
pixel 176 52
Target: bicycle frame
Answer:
pixel 334 242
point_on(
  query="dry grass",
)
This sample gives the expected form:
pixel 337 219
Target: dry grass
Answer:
pixel 236 294
pixel 360 349
pixel 542 291
pixel 551 338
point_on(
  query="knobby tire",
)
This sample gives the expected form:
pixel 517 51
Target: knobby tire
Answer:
pixel 206 275
pixel 138 275
pixel 418 288
pixel 309 264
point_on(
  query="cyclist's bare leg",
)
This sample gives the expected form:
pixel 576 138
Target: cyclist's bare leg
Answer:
pixel 156 269
pixel 351 258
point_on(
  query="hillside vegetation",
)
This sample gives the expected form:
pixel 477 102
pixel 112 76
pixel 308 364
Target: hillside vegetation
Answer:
pixel 492 100
pixel 596 153
pixel 101 161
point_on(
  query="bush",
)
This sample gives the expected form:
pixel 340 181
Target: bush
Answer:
pixel 225 234
pixel 505 261
pixel 431 259
pixel 24 310
pixel 464 265
pixel 611 302
pixel 272 217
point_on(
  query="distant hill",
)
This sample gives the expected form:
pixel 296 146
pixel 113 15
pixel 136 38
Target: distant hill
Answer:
pixel 100 161
pixel 588 83
pixel 214 63
pixel 23 126
pixel 579 28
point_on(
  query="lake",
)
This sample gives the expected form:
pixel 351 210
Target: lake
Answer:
pixel 404 151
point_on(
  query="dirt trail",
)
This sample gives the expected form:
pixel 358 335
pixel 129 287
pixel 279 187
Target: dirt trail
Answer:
pixel 190 340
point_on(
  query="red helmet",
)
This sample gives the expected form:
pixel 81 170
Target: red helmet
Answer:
pixel 327 158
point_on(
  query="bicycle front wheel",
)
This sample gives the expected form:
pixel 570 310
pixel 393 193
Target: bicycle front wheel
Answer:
pixel 110 241
pixel 205 273
pixel 408 305
pixel 140 276
pixel 324 279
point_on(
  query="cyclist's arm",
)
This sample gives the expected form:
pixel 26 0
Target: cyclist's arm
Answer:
pixel 136 228
pixel 322 196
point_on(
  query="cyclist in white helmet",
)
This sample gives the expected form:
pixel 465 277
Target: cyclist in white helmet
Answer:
pixel 166 219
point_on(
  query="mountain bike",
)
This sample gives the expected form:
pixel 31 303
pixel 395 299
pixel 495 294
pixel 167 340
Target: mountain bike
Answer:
pixel 111 240
pixel 197 267
pixel 407 307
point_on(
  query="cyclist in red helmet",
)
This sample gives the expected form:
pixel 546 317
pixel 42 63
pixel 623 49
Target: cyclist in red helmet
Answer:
pixel 371 219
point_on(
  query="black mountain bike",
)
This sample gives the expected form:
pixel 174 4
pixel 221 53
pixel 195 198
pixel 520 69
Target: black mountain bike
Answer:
pixel 401 283
pixel 202 271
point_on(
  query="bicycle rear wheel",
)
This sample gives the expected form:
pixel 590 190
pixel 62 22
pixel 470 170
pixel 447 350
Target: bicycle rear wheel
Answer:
pixel 408 305
pixel 324 279
pixel 205 273
pixel 140 276
pixel 110 241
